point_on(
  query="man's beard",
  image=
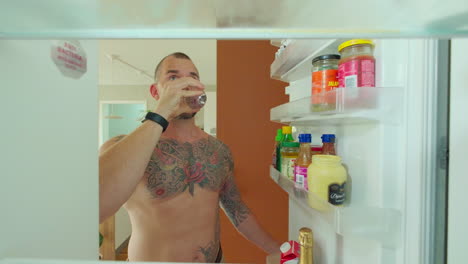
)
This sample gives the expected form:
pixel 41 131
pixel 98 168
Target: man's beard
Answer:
pixel 186 116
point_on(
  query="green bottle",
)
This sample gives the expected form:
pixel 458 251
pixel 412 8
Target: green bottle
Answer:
pixel 276 152
pixel 286 136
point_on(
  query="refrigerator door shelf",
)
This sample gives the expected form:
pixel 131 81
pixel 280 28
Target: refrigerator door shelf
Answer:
pixel 378 224
pixel 343 106
pixel 295 61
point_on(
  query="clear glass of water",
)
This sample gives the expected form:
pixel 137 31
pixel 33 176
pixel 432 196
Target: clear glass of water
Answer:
pixel 196 102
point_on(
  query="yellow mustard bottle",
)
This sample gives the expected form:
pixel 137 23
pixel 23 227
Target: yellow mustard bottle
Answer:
pixel 326 179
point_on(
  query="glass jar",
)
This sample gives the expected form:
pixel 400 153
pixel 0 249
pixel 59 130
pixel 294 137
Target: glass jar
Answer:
pixel 289 153
pixel 324 79
pixel 327 179
pixel 325 62
pixel 357 65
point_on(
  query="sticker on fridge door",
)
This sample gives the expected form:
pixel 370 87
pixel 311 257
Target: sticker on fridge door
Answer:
pixel 69 57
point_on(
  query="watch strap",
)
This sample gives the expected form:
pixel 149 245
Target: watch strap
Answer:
pixel 157 119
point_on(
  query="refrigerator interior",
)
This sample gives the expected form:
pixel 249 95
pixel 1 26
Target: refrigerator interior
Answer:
pixel 386 140
pixel 391 151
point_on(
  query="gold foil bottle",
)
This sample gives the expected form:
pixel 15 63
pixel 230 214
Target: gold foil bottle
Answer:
pixel 306 241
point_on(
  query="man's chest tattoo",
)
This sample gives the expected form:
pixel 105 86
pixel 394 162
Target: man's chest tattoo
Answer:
pixel 176 167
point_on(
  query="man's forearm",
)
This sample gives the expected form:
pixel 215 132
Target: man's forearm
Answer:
pixel 252 230
pixel 122 166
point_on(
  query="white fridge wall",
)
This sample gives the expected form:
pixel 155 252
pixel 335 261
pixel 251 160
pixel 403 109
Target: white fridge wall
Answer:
pixel 458 180
pixel 48 153
pixel 385 170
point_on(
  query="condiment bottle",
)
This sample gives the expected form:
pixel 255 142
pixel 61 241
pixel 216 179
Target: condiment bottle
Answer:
pixel 328 141
pixel 304 158
pixel 315 150
pixel 286 137
pixel 306 241
pixel 287 134
pixel 289 152
pixel 326 177
pixel 276 151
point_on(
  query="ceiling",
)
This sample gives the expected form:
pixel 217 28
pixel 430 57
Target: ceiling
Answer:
pixel 144 55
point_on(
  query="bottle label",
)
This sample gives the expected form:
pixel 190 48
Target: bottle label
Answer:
pixel 323 81
pixel 336 194
pixel 300 177
pixel 357 73
pixel 287 167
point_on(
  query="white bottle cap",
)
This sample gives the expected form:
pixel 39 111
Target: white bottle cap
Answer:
pixel 285 247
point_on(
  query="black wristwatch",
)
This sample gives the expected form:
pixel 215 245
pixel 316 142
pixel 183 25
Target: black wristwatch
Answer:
pixel 157 119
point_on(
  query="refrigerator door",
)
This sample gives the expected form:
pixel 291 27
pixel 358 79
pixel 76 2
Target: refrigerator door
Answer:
pixel 49 150
pixel 457 232
pixel 391 138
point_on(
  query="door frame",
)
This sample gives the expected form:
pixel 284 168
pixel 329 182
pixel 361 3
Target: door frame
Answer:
pixel 101 117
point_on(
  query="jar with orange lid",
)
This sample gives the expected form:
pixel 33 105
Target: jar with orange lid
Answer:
pixel 356 67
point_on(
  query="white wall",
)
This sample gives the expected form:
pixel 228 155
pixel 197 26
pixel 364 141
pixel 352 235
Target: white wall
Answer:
pixel 123 227
pixel 48 155
pixel 458 176
pixel 210 113
pixel 127 93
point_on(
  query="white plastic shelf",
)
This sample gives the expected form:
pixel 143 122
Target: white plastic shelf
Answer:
pixel 276 42
pixel 295 61
pixel 379 224
pixel 343 106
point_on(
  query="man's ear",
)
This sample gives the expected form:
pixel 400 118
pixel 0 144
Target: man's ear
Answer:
pixel 154 91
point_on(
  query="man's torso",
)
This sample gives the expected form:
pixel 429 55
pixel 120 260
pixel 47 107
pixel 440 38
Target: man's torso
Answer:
pixel 174 210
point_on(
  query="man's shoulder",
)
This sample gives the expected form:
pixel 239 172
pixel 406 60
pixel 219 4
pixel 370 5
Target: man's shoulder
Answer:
pixel 109 143
pixel 219 143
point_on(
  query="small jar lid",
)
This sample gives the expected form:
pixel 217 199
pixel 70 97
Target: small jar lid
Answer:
pixel 355 42
pixel 326 57
pixel 328 138
pixel 287 129
pixel 305 138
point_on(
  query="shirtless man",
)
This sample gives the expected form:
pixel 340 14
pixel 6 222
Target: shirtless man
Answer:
pixel 172 184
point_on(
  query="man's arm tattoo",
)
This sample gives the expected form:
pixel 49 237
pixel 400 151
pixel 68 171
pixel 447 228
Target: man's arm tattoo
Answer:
pixel 230 198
